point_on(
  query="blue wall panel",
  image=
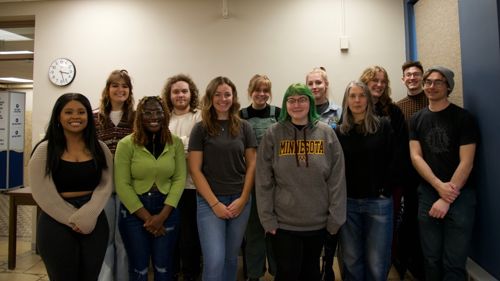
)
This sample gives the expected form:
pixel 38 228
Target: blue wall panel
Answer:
pixel 479 39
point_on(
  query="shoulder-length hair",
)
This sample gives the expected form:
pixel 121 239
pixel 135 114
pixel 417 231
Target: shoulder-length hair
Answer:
pixel 140 136
pixel 258 81
pixel 105 104
pixel 193 90
pixel 370 123
pixel 208 113
pixel 299 89
pixel 56 140
pixel 368 75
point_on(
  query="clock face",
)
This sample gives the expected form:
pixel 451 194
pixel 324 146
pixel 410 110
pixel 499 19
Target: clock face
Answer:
pixel 62 72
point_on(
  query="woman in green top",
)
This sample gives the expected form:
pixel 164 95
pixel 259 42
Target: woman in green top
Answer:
pixel 150 173
pixel 261 115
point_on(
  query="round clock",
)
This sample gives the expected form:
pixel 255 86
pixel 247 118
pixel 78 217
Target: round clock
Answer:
pixel 62 72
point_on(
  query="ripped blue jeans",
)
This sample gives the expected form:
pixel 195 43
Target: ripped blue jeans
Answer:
pixel 141 246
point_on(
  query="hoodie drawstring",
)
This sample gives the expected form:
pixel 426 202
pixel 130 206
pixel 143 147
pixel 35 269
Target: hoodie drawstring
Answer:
pixel 297 147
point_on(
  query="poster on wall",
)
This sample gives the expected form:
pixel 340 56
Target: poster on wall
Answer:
pixel 4 122
pixel 12 110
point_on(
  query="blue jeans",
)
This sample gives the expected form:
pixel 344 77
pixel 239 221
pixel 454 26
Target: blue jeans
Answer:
pixel 220 239
pixel 141 246
pixel 366 239
pixel 445 242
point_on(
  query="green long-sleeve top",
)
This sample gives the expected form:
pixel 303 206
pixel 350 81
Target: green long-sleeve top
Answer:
pixel 136 170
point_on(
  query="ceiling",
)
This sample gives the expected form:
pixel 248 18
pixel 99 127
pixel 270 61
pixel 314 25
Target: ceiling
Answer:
pixel 19 66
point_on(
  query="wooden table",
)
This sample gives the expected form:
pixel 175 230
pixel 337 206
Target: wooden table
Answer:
pixel 20 196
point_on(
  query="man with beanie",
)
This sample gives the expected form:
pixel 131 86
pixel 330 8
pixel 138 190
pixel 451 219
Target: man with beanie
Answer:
pixel 443 140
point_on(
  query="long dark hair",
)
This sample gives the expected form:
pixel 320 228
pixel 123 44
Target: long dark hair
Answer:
pixel 56 140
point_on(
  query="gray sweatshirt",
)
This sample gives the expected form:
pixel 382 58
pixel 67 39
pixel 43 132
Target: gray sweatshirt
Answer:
pixel 300 179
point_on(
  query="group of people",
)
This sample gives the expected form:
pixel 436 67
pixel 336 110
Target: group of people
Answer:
pixel 181 183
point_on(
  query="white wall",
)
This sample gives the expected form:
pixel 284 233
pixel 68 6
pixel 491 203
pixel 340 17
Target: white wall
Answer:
pixel 156 39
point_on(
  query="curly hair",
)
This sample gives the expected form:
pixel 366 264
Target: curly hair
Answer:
pixel 105 104
pixel 193 90
pixel 140 137
pixel 208 113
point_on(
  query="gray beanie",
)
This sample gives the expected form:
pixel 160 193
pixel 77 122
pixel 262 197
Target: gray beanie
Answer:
pixel 446 72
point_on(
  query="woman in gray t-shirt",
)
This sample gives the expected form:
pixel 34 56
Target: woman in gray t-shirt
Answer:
pixel 222 152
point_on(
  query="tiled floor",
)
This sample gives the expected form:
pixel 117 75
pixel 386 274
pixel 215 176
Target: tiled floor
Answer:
pixel 29 266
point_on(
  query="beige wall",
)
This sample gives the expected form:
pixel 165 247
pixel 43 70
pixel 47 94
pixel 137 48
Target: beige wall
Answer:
pixel 438 38
pixel 155 39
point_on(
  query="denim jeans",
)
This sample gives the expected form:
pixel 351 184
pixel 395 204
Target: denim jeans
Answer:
pixel 220 239
pixel 445 242
pixel 115 266
pixel 142 245
pixel 366 239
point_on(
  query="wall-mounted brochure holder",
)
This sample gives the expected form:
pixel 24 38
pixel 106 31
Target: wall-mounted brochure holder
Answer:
pixel 12 110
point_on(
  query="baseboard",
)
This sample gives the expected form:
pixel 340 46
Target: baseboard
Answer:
pixel 477 273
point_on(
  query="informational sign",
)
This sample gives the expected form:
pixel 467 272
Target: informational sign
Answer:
pixel 12 111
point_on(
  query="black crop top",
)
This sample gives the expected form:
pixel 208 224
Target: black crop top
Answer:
pixel 76 176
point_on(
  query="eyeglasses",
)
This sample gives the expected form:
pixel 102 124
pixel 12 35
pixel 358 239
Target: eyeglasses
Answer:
pixel 149 114
pixel 436 83
pixel 413 74
pixel 301 100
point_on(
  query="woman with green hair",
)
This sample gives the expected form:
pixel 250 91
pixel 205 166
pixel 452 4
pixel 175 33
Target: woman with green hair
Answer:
pixel 300 186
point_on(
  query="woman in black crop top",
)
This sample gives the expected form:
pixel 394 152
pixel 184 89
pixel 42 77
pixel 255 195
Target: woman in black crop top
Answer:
pixel 71 177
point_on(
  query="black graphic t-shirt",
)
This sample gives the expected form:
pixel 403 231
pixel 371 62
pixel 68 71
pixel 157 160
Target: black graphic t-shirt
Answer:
pixel 441 134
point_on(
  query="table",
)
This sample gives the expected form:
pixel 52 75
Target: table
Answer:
pixel 18 197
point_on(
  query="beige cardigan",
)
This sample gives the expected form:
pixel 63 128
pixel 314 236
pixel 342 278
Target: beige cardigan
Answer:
pixel 49 200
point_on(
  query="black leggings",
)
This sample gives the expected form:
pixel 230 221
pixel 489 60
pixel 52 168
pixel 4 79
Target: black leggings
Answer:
pixel 69 255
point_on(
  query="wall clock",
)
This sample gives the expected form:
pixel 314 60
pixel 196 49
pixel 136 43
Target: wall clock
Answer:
pixel 62 72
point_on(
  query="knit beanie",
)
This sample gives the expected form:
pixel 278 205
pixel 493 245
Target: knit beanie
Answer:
pixel 447 73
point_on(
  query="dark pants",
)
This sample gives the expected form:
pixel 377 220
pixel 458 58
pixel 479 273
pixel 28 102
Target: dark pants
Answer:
pixel 297 254
pixel 258 246
pixel 408 255
pixel 141 246
pixel 330 247
pixel 69 255
pixel 189 250
pixel 445 242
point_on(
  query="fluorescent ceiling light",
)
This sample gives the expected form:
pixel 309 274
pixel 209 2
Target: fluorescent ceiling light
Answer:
pixel 16 52
pixel 14 80
pixel 9 36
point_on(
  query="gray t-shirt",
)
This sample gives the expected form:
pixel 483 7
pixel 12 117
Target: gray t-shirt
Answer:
pixel 224 164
